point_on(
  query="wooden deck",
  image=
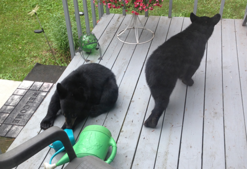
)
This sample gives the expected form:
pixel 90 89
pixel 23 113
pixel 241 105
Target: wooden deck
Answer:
pixel 204 125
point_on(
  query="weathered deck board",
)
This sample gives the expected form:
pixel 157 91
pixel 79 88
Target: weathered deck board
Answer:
pixel 125 55
pixel 169 144
pixel 114 48
pixel 241 39
pixel 204 125
pixel 126 84
pixel 213 139
pixel 138 107
pixel 191 141
pixel 134 118
pixel 235 134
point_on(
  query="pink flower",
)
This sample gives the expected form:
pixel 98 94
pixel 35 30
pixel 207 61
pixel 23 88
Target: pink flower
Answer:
pixel 139 5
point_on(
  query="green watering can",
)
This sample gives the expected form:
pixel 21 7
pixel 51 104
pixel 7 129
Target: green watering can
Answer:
pixel 94 140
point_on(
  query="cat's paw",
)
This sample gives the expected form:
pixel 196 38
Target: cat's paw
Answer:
pixel 151 122
pixel 64 126
pixel 46 123
pixel 189 82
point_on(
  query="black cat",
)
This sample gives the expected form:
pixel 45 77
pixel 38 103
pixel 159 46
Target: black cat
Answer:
pixel 179 57
pixel 90 90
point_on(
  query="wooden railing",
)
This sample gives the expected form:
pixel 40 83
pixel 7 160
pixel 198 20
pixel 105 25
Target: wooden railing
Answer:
pixel 101 12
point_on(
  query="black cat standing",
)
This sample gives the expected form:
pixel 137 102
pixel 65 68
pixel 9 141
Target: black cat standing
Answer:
pixel 179 57
pixel 90 90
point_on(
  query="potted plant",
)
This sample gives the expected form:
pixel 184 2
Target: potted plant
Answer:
pixel 136 7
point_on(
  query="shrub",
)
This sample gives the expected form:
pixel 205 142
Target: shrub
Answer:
pixel 59 34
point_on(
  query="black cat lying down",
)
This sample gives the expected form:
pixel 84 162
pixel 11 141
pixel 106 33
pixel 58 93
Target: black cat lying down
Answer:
pixel 90 90
pixel 179 57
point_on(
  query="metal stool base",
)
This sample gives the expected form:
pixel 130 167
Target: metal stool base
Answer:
pixel 135 24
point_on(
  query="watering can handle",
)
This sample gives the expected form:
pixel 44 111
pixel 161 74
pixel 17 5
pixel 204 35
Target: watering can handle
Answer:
pixel 113 152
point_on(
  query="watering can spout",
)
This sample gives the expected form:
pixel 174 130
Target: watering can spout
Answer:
pixel 63 160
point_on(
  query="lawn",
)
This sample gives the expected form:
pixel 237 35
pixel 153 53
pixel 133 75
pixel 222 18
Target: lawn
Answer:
pixel 21 48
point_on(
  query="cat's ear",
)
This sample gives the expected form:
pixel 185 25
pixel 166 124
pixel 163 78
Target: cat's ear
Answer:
pixel 193 17
pixel 215 19
pixel 62 92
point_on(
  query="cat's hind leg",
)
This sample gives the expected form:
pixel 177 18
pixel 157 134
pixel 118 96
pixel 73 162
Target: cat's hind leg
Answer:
pixel 161 93
pixel 108 98
pixel 188 73
pixel 53 109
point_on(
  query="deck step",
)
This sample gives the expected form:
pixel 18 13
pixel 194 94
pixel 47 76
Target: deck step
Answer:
pixel 7 87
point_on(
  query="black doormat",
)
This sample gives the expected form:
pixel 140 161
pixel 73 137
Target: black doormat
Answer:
pixel 45 73
pixel 25 100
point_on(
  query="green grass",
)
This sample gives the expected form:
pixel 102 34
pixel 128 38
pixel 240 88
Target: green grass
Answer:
pixel 20 48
